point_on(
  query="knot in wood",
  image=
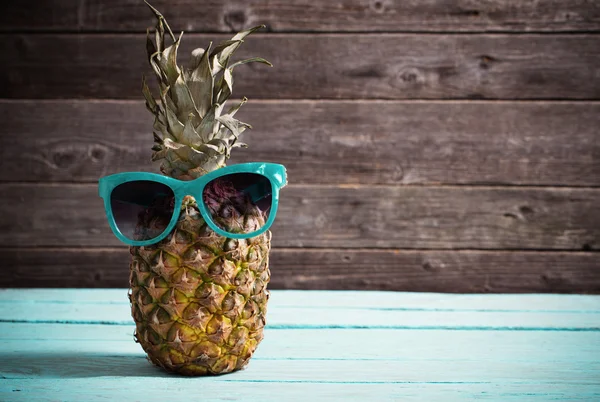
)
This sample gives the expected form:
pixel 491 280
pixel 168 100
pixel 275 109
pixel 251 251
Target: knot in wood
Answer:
pixel 433 266
pixel 64 159
pixel 378 6
pixel 486 61
pixel 235 19
pixel 97 154
pixel 411 76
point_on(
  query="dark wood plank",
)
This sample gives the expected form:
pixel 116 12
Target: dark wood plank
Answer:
pixel 345 216
pixel 305 15
pixel 382 66
pixel 361 142
pixel 437 271
pixel 402 270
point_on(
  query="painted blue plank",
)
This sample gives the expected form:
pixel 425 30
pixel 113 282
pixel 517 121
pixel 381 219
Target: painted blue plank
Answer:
pixel 162 389
pixel 352 299
pixel 382 344
pixel 84 365
pixel 281 316
pixel 294 362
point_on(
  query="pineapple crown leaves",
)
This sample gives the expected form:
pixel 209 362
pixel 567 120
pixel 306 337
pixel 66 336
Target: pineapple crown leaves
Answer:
pixel 192 136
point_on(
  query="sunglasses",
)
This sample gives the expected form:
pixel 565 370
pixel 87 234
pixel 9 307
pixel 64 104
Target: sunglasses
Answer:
pixel 143 208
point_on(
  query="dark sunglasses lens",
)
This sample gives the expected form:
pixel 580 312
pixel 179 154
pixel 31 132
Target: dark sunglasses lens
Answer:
pixel 239 202
pixel 142 209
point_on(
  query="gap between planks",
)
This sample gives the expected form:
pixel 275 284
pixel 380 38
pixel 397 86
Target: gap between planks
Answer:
pixel 309 249
pixel 422 309
pixel 487 32
pixel 334 326
pixel 283 34
pixel 557 101
pixel 486 186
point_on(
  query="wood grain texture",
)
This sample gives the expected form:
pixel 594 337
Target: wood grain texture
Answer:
pixel 427 271
pixel 351 142
pixel 344 216
pixel 375 66
pixel 306 15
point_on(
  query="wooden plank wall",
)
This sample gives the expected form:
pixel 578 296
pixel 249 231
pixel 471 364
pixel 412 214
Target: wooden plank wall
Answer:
pixel 431 145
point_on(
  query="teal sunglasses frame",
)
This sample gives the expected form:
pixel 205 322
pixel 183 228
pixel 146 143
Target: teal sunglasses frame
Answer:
pixel 274 172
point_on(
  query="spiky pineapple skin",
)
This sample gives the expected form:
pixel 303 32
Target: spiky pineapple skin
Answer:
pixel 199 300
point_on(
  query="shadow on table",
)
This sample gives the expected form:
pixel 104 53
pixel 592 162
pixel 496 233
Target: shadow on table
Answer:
pixel 61 365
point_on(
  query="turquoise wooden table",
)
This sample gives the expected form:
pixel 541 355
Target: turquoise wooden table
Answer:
pixel 77 345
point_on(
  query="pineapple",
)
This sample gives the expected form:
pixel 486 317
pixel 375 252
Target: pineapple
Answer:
pixel 198 299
